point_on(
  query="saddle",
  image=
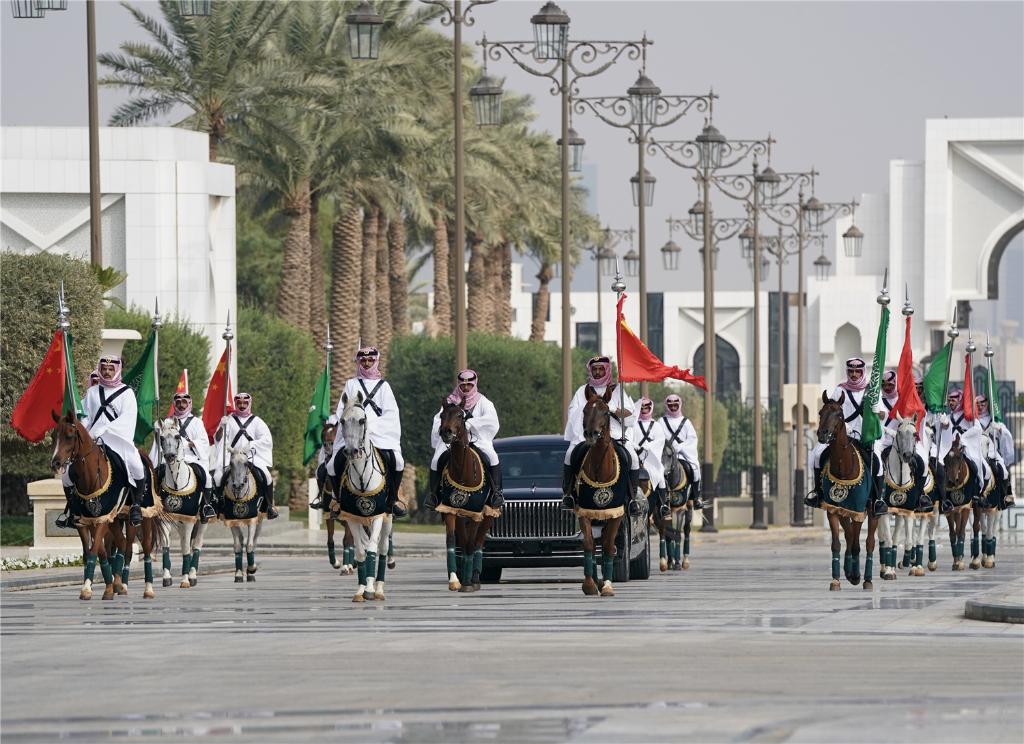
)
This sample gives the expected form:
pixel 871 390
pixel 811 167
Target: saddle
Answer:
pixel 601 500
pixel 104 503
pixel 442 464
pixel 581 449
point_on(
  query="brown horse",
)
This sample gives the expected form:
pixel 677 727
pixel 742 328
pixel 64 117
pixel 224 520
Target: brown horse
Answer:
pixel 92 476
pixel 956 482
pixel 601 471
pixel 325 499
pixel 846 493
pixel 466 525
pixel 121 538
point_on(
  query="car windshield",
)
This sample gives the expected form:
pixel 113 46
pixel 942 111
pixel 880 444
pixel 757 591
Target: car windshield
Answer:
pixel 533 466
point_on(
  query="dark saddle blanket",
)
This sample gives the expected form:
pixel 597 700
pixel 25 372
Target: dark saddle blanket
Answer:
pixel 110 494
pixel 594 496
pixel 466 497
pixel 905 497
pixel 186 501
pixel 368 504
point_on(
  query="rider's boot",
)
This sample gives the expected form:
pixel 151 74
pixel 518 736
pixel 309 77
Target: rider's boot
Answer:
pixel 433 481
pixel 206 510
pixel 497 495
pixel 814 496
pixel 698 501
pixel 879 507
pixel 67 520
pixel 396 507
pixel 663 508
pixel 272 512
pixel 135 497
pixel 568 500
pixel 635 503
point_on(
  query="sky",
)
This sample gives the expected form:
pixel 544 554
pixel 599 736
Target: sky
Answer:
pixel 843 86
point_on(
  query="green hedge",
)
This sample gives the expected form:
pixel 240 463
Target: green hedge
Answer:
pixel 278 366
pixel 28 307
pixel 521 378
pixel 693 409
pixel 181 347
pixel 739 455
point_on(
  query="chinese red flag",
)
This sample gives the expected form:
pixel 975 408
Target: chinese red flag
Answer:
pixel 182 388
pixel 909 402
pixel 638 364
pixel 218 395
pixel 968 401
pixel 43 399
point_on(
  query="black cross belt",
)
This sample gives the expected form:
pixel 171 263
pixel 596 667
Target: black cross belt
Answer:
pixel 676 434
pixel 646 432
pixel 858 409
pixel 105 402
pixel 368 396
pixel 242 429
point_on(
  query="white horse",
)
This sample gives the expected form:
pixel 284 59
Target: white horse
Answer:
pixel 178 486
pixel 987 513
pixel 910 527
pixel 364 476
pixel 240 488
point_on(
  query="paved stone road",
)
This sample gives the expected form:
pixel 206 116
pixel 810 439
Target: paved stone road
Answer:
pixel 748 645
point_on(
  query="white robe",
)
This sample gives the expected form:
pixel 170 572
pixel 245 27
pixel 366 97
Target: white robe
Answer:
pixel 197 445
pixel 684 442
pixel 385 430
pixel 260 450
pixel 971 440
pixel 1001 437
pixel 481 425
pixel 854 426
pixel 650 451
pixel 574 421
pixel 118 434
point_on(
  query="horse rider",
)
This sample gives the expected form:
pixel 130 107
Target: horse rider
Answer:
pixel 948 425
pixel 244 429
pixel 197 451
pixel 599 377
pixel 481 425
pixel 679 431
pixel 384 427
pixel 1002 441
pixel 853 390
pixel 650 441
pixel 111 412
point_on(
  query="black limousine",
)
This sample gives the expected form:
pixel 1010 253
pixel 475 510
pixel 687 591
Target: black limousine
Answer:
pixel 535 531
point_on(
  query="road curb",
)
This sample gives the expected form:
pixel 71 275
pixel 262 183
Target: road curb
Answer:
pixel 993 611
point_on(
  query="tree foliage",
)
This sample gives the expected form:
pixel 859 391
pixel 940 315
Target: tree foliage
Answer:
pixel 28 306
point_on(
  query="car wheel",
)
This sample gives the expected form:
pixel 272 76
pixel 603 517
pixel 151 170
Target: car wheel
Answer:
pixel 490 574
pixel 623 541
pixel 641 567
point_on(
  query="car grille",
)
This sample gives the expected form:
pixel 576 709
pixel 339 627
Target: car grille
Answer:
pixel 534 518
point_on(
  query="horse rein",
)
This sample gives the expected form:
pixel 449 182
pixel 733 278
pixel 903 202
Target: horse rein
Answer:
pixel 77 456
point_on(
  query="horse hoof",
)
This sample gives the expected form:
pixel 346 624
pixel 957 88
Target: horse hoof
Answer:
pixel 368 595
pixel 606 589
pixel 918 570
pixel 589 587
pixel 250 578
pixel 239 580
pixel 834 586
pixel 933 565
pixel 476 586
pixel 467 589
pixel 454 586
pixel 168 582
pixel 121 590
pixel 184 584
pixel 975 564
pixel 391 563
pixel 379 596
pixel 359 597
pixel 686 563
pixel 108 593
pixel 868 586
pixel 250 570
pixel 192 581
pixel 854 580
pixel 990 563
pixel 335 565
pixel 148 593
pixel 663 565
pixel 85 594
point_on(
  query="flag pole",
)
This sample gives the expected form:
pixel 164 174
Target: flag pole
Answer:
pixel 157 325
pixel 953 332
pixel 991 392
pixel 227 336
pixel 618 287
pixel 328 348
pixel 969 371
pixel 65 326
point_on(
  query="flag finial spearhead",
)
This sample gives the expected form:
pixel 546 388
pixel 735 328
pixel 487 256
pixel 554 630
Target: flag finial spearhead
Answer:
pixel 228 332
pixel 908 309
pixel 62 311
pixel 989 353
pixel 971 346
pixel 883 298
pixel 157 320
pixel 618 286
pixel 328 346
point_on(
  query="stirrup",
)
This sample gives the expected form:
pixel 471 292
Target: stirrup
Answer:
pixel 569 502
pixel 497 499
pixel 812 499
pixel 879 508
pixel 63 521
pixel 636 507
pixel 317 503
pixel 135 515
pixel 398 511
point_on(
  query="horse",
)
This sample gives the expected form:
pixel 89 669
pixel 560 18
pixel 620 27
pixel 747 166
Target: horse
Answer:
pixel 958 492
pixel 463 493
pixel 326 500
pixel 677 483
pixel 241 512
pixel 905 488
pixel 601 489
pixel 987 506
pixel 101 489
pixel 846 489
pixel 122 535
pixel 363 499
pixel 182 498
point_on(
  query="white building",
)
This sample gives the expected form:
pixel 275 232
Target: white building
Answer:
pixel 168 214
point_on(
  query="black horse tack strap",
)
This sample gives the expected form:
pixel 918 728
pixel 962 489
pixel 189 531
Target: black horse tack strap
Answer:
pixel 368 396
pixel 858 408
pixel 242 429
pixel 957 424
pixel 105 403
pixel 646 434
pixel 676 435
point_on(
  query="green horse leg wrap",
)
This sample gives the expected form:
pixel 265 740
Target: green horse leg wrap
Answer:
pixel 868 566
pixel 90 567
pixel 331 555
pixel 974 547
pixel 451 561
pixel 117 562
pixel 349 555
pixel 361 572
pixel 883 556
pixel 108 575
pixel 607 567
pixel 369 564
pixel 186 563
pixel 992 548
pixel 919 555
pixel 382 567
pixel 391 547
pixel 663 549
pixel 238 561
pixel 932 554
pixel 124 575
pixel 588 565
pixel 907 556
pixel 847 562
pixel 478 561
pixel 250 559
pixel 167 559
pixel 467 568
pixel 835 564
pixel 686 546
pixel 195 560
pixel 148 567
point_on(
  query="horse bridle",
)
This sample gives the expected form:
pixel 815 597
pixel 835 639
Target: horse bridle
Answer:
pixel 76 455
pixel 462 416
pixel 842 422
pixel 368 462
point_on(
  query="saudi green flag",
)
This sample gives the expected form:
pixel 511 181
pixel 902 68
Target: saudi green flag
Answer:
pixel 993 400
pixel 142 379
pixel 319 411
pixel 872 429
pixel 935 381
pixel 72 401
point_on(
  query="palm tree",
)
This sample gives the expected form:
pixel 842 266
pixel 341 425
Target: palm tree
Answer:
pixel 397 279
pixel 214 67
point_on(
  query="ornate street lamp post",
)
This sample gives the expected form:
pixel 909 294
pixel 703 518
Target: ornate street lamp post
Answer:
pixel 570 61
pixel 605 261
pixel 705 154
pixel 809 216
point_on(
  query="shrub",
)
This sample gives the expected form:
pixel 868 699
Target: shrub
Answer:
pixel 278 365
pixel 28 306
pixel 521 378
pixel 181 347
